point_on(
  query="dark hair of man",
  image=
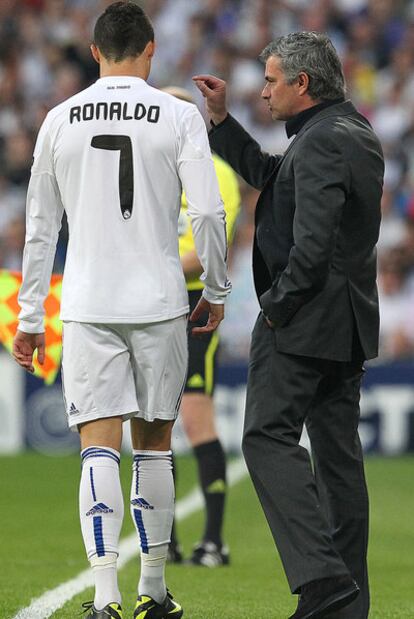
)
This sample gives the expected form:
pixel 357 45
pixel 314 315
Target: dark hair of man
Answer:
pixel 313 54
pixel 122 31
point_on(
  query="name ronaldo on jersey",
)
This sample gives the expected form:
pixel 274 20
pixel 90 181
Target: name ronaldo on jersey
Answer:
pixel 115 110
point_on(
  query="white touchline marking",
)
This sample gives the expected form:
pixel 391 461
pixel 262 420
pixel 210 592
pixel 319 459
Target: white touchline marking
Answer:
pixel 48 603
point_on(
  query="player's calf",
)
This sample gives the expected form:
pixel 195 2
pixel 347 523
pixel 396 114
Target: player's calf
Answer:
pixel 152 511
pixel 101 515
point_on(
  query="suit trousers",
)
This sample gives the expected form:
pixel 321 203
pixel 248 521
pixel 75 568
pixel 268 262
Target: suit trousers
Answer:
pixel 317 508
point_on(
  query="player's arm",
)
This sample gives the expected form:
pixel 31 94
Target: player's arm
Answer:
pixel 230 193
pixel 205 208
pixel 44 212
pixel 24 346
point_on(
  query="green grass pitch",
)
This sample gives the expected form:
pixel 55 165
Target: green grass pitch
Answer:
pixel 41 545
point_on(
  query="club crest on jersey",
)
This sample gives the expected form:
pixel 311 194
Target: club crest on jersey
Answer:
pixel 100 508
pixel 115 110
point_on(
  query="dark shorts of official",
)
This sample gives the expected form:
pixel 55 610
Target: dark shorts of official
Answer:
pixel 202 353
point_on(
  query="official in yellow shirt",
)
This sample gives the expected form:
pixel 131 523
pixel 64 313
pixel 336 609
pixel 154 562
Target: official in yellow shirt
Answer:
pixel 197 407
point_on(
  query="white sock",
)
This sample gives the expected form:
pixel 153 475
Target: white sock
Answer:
pixel 152 510
pixel 101 514
pixel 106 580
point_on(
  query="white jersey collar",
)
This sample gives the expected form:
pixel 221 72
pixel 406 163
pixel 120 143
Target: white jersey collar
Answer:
pixel 119 79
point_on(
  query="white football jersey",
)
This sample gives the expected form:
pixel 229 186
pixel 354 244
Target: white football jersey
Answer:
pixel 116 158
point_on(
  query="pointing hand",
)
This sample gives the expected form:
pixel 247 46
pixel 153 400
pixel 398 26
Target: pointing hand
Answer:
pixel 214 91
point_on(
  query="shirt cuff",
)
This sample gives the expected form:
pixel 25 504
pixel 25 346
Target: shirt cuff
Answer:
pixel 215 299
pixel 31 327
pixel 214 126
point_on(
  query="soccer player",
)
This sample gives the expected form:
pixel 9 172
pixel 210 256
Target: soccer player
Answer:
pixel 115 157
pixel 197 406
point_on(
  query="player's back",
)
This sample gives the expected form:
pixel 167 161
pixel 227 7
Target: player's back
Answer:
pixel 116 150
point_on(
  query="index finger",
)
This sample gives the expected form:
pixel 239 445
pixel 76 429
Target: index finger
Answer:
pixel 41 354
pixel 209 80
pixel 196 313
pixel 24 361
pixel 212 324
pixel 208 328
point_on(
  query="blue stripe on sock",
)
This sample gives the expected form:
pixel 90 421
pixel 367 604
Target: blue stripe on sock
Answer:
pixel 148 456
pixel 136 478
pixel 110 457
pixel 98 534
pixel 92 484
pixel 92 451
pixel 139 457
pixel 99 453
pixel 141 530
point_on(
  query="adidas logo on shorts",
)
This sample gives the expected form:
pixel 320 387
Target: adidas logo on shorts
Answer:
pixel 73 410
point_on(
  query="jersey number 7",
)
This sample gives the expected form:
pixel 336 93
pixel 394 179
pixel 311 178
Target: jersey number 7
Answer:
pixel 126 169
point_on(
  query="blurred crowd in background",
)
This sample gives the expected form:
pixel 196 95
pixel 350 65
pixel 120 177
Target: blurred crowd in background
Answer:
pixel 45 58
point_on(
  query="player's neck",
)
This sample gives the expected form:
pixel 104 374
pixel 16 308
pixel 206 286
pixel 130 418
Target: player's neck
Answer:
pixel 138 67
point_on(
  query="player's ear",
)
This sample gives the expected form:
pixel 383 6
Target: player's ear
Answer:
pixel 149 49
pixel 95 53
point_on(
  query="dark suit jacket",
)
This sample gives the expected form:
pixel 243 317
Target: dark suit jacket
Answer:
pixel 317 223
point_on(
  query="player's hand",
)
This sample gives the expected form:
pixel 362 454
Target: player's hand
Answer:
pixel 24 345
pixel 214 91
pixel 215 316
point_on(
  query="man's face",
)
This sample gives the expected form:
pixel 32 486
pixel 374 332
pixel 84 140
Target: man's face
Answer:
pixel 283 99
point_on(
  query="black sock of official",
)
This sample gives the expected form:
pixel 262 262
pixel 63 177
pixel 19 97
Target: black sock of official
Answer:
pixel 212 474
pixel 174 540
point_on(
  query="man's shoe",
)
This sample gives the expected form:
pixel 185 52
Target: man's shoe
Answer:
pixel 147 608
pixel 174 554
pixel 208 554
pixel 321 597
pixel 111 610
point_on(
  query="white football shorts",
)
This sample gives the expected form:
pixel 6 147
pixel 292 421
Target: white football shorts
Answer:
pixel 127 370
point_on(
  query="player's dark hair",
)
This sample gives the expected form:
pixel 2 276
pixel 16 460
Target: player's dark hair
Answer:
pixel 123 31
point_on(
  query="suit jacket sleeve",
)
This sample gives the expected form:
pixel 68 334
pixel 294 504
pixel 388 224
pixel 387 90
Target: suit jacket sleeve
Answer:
pixel 321 186
pixel 242 152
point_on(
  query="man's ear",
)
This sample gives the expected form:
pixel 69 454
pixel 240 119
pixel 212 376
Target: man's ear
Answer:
pixel 303 83
pixel 95 53
pixel 150 49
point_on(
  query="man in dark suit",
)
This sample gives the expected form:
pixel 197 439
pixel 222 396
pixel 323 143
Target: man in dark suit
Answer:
pixel 314 262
